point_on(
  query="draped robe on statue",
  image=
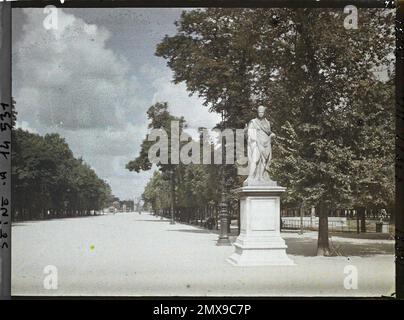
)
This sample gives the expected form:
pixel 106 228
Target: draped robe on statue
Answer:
pixel 259 152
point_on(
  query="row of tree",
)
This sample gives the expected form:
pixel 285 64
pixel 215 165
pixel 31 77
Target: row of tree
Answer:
pixel 49 182
pixel 329 91
pixel 184 186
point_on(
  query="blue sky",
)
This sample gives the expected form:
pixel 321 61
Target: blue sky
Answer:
pixel 92 80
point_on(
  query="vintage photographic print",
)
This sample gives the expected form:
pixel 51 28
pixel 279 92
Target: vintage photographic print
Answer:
pixel 202 151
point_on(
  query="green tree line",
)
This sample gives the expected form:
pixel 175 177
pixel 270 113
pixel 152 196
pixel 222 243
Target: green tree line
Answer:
pixel 192 189
pixel 49 182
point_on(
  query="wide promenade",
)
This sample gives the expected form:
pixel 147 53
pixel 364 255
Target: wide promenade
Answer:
pixel 135 254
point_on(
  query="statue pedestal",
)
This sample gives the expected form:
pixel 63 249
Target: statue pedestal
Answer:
pixel 260 242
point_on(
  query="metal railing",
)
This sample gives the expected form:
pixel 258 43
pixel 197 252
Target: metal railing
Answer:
pixel 351 225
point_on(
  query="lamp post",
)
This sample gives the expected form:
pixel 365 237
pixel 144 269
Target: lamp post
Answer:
pixel 301 217
pixel 223 239
pixel 172 196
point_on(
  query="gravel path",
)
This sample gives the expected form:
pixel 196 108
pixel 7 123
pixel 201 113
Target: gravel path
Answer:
pixel 142 255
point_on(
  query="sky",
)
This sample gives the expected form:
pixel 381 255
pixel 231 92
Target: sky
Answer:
pixel 92 79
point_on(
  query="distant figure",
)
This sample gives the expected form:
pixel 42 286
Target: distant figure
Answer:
pixel 259 150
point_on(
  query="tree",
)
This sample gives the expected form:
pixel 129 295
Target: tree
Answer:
pixel 155 192
pixel 49 182
pixel 193 186
pixel 160 118
pixel 299 62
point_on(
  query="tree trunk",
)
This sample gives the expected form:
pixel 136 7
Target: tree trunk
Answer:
pixel 230 214
pixel 323 246
pixel 357 220
pixel 239 218
pixel 363 219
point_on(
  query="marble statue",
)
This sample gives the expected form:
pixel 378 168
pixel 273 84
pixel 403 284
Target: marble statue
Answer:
pixel 259 150
pixel 259 242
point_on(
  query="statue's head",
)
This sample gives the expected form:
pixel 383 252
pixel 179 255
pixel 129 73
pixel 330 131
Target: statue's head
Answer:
pixel 261 111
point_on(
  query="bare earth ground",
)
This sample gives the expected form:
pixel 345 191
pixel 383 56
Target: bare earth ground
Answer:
pixel 140 255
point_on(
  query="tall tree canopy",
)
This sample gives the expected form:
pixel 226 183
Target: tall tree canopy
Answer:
pixel 328 104
pixel 191 185
pixel 47 179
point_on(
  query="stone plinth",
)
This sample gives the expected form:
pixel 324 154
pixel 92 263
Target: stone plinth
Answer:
pixel 260 242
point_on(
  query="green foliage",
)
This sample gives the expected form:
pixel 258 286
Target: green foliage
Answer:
pixel 155 192
pixel 46 176
pixel 160 118
pixel 319 82
pixel 186 185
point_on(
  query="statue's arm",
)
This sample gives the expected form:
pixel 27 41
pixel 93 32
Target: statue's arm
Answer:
pixel 252 132
pixel 271 135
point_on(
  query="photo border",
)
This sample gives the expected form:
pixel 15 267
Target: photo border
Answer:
pixel 6 90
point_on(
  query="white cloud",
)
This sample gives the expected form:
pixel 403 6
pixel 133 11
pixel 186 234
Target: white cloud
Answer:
pixel 179 101
pixel 71 82
pixel 24 125
pixel 69 78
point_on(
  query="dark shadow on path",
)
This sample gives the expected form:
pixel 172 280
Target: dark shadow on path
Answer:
pixel 233 233
pixel 53 219
pixel 308 248
pixel 16 224
pixel 153 220
pixel 367 235
pixel 192 231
